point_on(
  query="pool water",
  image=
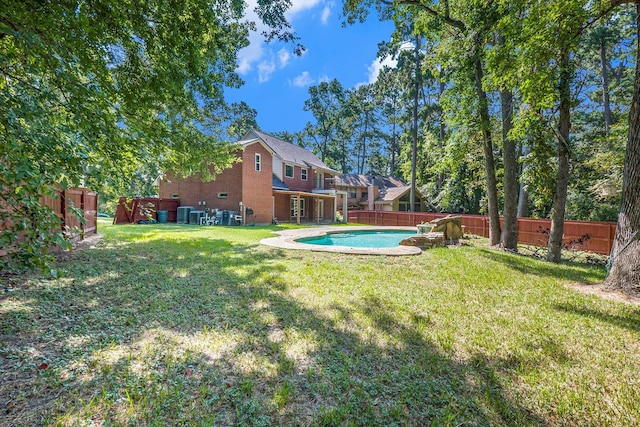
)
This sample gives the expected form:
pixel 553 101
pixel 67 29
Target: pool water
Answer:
pixel 360 239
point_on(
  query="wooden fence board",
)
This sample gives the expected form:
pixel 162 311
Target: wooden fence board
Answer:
pixel 590 236
pixel 82 198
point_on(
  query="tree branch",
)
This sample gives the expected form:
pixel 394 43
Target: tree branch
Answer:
pixel 612 5
pixel 446 17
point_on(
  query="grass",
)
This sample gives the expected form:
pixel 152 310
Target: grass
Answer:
pixel 186 325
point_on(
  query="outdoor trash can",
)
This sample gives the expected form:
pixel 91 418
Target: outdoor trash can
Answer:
pixel 162 216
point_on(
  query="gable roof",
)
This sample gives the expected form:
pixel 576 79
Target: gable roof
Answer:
pixel 390 194
pixel 358 180
pixel 288 152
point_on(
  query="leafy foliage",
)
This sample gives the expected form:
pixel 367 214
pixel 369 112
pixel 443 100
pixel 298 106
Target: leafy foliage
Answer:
pixel 92 93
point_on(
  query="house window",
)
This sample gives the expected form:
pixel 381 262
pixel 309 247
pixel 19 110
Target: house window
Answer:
pixel 258 163
pixel 303 174
pixel 364 194
pixel 294 207
pixel 319 181
pixel 352 193
pixel 223 195
pixel 288 171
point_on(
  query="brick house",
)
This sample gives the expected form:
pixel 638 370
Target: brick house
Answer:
pixel 380 193
pixel 274 179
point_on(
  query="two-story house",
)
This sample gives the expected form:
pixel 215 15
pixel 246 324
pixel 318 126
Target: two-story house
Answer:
pixel 273 179
pixel 380 193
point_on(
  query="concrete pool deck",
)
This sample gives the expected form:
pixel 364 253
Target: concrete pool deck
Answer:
pixel 287 240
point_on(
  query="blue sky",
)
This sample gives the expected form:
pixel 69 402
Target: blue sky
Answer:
pixel 277 81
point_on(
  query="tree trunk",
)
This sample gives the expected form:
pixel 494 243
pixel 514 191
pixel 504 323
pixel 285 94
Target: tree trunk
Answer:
pixel 523 197
pixel 443 134
pixel 562 179
pixel 392 168
pixel 605 86
pixel 364 147
pixel 509 238
pixel 414 147
pixel 523 202
pixel 624 271
pixel 489 162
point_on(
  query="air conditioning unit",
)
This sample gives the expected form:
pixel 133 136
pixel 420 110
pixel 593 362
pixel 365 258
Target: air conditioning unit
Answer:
pixel 183 214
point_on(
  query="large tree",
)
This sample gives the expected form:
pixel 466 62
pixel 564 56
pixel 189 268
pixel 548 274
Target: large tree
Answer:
pixel 465 28
pixel 624 263
pixel 90 91
pixel 326 137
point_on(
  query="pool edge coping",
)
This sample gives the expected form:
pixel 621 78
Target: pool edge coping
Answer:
pixel 286 240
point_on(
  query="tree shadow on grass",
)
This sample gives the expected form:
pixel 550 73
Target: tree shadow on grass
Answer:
pixel 630 321
pixel 568 270
pixel 207 332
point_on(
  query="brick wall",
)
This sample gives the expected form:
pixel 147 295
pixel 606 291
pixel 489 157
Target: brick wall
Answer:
pixel 192 190
pixel 296 183
pixel 241 183
pixel 329 208
pixel 282 209
pixel 257 186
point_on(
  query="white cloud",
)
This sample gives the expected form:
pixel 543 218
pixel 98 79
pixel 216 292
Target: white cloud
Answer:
pixel 324 78
pixel 265 69
pixel 373 70
pixel 326 12
pixel 302 80
pixel 255 52
pixel 377 65
pixel 298 6
pixel 283 57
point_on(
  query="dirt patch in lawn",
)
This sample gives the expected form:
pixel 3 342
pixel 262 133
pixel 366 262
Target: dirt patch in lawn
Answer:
pixel 601 291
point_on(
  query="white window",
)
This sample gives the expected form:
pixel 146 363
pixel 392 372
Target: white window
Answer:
pixel 288 171
pixel 352 193
pixel 294 207
pixel 258 162
pixel 303 174
pixel 319 181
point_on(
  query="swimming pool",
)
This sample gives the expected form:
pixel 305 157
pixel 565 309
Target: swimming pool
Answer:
pixel 312 238
pixel 359 239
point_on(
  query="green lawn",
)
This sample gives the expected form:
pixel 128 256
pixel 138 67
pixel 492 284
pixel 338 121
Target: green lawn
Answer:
pixel 187 325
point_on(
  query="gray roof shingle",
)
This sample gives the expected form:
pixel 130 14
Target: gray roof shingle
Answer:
pixel 288 152
pixel 357 180
pixel 277 184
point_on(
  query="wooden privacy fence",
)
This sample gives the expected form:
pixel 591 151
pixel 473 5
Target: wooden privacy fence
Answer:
pixel 589 236
pixel 131 210
pixel 81 198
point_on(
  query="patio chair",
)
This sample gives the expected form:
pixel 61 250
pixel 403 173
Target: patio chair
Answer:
pixel 209 218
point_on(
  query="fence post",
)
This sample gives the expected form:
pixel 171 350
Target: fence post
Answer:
pixel 95 208
pixel 84 217
pixel 63 208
